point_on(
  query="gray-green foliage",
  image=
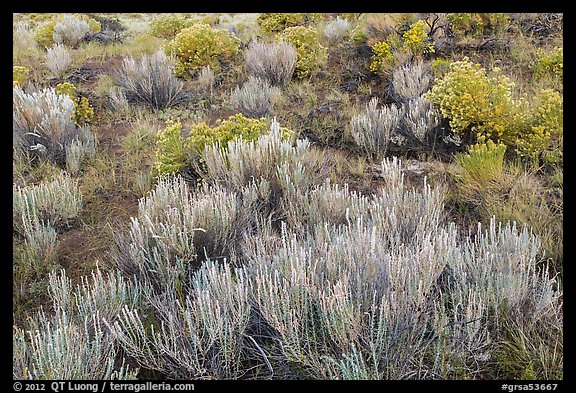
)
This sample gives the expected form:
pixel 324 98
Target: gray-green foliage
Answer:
pixel 73 342
pixel 347 286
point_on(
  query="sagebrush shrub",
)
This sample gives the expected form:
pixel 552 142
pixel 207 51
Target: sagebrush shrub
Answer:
pixel 208 327
pixel 43 122
pixel 420 120
pixel 58 60
pixel 70 31
pixel 65 29
pixel 411 80
pixel 206 80
pixel 337 29
pixel 201 45
pixel 176 152
pixel 254 99
pixel 274 62
pixel 266 155
pixel 38 211
pixel 150 81
pixel 311 55
pixel 53 202
pixel 374 129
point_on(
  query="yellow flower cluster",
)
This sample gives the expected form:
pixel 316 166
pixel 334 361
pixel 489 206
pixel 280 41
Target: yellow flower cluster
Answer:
pixel 200 45
pixel 413 41
pixel 20 75
pixel 310 53
pixel 416 40
pixel 549 63
pixel 84 112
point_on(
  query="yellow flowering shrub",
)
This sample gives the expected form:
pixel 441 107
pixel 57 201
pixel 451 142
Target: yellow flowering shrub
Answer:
pixel 174 152
pixel 549 63
pixel 167 26
pixel 84 112
pixel 271 23
pixel 477 24
pixel 276 22
pixel 20 75
pixel 225 130
pixel 545 128
pixel 311 55
pixel 472 98
pixel 200 45
pixel 382 57
pixel 413 41
pixel 170 156
pixel 416 39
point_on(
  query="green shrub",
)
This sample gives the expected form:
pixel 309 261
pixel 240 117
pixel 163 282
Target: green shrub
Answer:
pixel 483 161
pixel 19 75
pixel 311 54
pixel 549 63
pixel 273 23
pixel 478 24
pixel 170 156
pixel 168 26
pixel 201 45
